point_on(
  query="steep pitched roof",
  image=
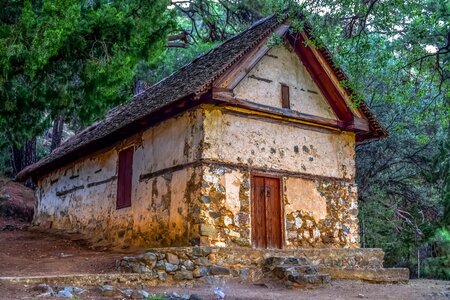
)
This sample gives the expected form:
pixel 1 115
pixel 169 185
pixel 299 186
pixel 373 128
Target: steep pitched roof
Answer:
pixel 191 80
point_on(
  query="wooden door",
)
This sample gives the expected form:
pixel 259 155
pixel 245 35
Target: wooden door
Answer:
pixel 266 212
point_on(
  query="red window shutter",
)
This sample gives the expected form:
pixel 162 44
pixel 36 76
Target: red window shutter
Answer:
pixel 285 101
pixel 124 178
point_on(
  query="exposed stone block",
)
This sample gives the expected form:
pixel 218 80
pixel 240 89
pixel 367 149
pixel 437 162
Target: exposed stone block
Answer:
pixel 172 259
pixel 170 267
pixel 216 270
pixel 200 272
pixel 183 275
pixel 208 230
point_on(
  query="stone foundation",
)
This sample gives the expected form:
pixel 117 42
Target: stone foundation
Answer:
pixel 212 264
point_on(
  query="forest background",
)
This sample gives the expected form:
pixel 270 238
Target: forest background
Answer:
pixel 64 63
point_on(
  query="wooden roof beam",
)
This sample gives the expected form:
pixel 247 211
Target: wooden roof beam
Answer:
pixel 320 77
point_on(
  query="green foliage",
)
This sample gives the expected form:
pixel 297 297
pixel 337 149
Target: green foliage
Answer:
pixel 5 167
pixel 275 40
pixel 76 58
pixel 156 297
pixel 438 266
pixel 170 61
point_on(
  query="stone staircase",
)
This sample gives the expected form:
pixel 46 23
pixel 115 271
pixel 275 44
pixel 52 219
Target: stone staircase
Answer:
pixel 294 271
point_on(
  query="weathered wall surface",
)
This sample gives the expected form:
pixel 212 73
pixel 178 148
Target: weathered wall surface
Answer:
pixel 260 143
pixel 320 213
pixel 225 206
pixel 317 213
pixel 281 66
pixel 192 181
pixel 82 196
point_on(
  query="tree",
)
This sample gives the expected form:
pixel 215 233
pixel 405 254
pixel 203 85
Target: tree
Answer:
pixel 72 58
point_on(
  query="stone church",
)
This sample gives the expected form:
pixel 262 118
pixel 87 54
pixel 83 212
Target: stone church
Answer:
pixel 250 145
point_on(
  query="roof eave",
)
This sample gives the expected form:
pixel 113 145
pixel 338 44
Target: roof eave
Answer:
pixel 41 167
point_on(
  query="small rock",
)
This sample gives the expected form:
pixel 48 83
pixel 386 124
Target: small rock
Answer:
pixel 174 295
pixel 136 295
pixel 244 274
pixel 108 291
pixel 183 275
pixel 65 294
pixel 127 292
pixel 129 259
pixel 136 267
pixel 172 259
pixel 149 259
pixel 78 290
pixel 160 265
pixel 43 288
pixel 141 294
pixel 45 295
pixel 208 230
pixel 197 251
pixel 202 261
pixel 63 255
pixel 205 199
pixel 219 293
pixel 189 265
pixel 200 272
pixel 360 296
pixel 215 270
pixel 195 297
pixel 170 267
pixel 162 275
pixel 144 293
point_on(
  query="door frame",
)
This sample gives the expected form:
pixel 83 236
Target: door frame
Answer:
pixel 280 179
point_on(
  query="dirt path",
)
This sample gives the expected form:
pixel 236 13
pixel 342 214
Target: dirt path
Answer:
pixel 25 253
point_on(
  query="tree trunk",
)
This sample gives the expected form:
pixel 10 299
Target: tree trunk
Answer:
pixel 23 157
pixel 16 160
pixel 29 153
pixel 58 126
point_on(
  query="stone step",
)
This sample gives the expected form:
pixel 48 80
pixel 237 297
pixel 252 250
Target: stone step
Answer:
pixel 285 270
pixel 310 278
pixel 375 275
pixel 275 261
pixel 301 274
pixel 295 271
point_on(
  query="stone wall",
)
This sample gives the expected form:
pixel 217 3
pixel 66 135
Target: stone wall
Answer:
pixel 318 213
pixel 168 265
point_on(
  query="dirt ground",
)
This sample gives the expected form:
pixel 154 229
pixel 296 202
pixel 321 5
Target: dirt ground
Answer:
pixel 416 289
pixel 30 253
